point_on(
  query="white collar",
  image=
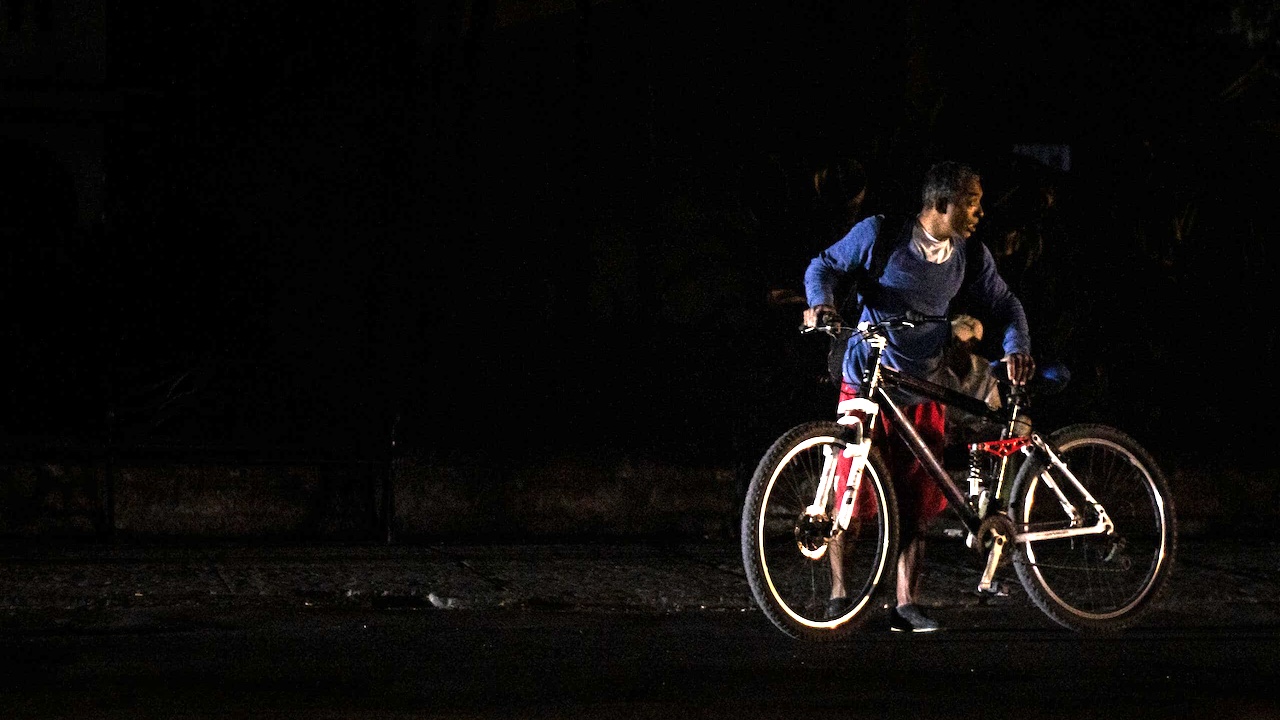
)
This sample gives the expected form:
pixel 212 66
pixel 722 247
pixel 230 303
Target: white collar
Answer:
pixel 929 247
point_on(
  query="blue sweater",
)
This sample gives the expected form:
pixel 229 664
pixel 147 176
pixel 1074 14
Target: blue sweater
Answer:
pixel 912 283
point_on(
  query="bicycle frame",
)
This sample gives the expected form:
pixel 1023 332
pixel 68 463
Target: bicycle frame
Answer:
pixel 891 378
pixel 882 379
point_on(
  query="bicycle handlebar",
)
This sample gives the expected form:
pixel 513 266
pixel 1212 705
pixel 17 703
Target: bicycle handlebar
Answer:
pixel 832 324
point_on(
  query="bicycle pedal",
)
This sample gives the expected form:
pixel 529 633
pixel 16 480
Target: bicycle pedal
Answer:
pixel 998 589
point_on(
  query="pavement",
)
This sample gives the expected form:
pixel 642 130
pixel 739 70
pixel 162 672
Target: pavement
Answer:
pixel 1217 582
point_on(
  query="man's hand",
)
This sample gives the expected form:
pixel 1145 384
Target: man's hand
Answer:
pixel 1021 368
pixel 812 315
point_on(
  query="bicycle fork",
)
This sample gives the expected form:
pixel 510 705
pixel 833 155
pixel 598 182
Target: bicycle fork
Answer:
pixel 857 451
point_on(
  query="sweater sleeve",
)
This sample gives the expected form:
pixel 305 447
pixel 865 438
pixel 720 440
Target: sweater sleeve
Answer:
pixel 831 265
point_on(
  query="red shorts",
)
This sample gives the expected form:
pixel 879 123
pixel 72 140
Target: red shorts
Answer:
pixel 919 499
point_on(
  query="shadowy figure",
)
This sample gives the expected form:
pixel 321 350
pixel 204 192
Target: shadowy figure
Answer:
pixel 840 187
pixel 971 374
pixel 1027 240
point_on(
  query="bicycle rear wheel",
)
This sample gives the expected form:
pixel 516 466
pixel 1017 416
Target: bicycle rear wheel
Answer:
pixel 1096 583
pixel 796 590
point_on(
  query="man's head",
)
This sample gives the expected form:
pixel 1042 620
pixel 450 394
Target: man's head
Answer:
pixel 951 199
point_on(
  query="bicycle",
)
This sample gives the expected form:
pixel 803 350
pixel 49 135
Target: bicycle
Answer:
pixel 1086 508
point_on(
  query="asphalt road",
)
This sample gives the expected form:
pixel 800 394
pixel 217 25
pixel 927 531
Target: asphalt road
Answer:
pixel 642 631
pixel 355 663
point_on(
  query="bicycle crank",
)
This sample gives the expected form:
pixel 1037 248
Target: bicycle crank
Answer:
pixel 993 534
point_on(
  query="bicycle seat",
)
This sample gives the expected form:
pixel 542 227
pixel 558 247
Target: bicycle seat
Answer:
pixel 1048 380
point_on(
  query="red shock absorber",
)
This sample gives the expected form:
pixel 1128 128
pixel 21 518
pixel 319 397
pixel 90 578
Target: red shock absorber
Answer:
pixel 1000 448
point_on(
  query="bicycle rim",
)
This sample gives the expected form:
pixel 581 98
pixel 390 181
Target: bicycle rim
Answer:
pixel 1097 582
pixel 795 590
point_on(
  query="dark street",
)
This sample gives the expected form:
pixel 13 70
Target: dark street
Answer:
pixel 630 630
pixel 348 664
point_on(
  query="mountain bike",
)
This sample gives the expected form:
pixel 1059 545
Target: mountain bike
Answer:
pixel 1084 512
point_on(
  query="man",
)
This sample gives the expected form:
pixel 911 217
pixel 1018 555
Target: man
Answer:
pixel 924 273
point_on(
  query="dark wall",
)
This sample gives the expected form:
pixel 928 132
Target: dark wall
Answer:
pixel 560 231
pixel 664 153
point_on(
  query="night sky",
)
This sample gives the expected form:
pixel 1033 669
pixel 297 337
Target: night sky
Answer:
pixel 555 225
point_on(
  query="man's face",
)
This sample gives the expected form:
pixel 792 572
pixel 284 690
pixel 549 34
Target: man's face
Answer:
pixel 963 214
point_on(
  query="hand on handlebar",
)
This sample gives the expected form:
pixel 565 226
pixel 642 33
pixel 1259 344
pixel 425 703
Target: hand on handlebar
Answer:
pixel 820 315
pixel 1021 368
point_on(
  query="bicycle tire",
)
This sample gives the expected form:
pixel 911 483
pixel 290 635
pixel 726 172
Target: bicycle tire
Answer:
pixel 1097 583
pixel 792 590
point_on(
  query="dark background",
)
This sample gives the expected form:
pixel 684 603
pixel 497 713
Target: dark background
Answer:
pixel 529 228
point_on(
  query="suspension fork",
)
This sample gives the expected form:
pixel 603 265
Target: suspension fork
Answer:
pixel 857 449
pixel 859 415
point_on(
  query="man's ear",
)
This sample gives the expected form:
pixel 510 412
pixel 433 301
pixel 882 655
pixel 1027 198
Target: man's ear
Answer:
pixel 941 206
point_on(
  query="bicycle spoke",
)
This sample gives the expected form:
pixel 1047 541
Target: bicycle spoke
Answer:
pixel 1097 581
pixel 794 567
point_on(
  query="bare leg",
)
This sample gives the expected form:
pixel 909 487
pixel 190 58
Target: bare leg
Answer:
pixel 835 555
pixel 909 570
pixel 907 616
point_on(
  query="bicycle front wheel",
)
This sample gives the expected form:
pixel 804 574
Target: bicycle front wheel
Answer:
pixel 808 584
pixel 1103 582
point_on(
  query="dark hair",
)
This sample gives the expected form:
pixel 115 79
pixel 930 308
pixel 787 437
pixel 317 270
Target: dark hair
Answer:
pixel 945 182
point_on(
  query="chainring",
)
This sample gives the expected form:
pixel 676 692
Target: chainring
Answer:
pixel 998 523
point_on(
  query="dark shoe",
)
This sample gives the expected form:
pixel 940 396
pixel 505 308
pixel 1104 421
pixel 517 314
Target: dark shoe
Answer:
pixel 836 607
pixel 909 618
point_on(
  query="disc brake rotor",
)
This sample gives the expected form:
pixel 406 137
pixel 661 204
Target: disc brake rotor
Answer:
pixel 812 534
